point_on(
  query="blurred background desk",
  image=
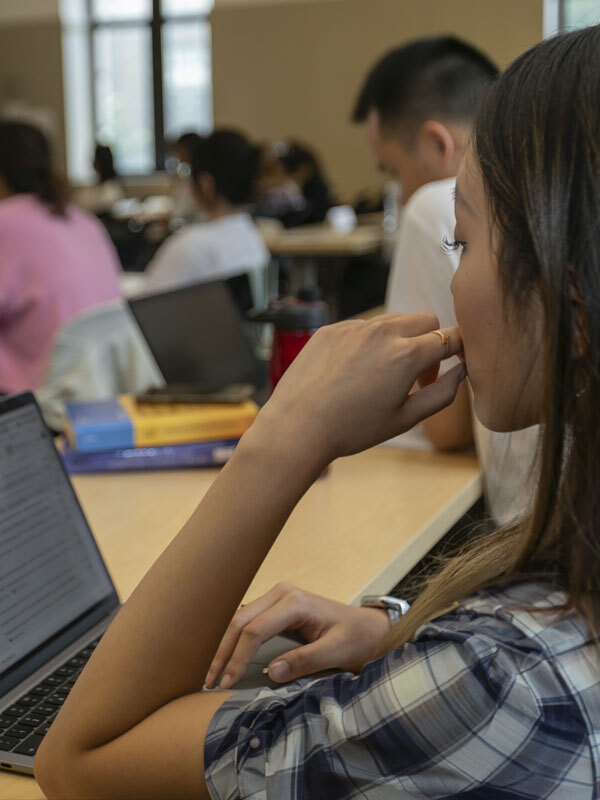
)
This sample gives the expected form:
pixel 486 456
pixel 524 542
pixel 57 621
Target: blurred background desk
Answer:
pixel 321 241
pixel 349 267
pixel 358 530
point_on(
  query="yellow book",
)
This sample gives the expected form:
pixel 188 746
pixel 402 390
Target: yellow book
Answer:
pixel 122 422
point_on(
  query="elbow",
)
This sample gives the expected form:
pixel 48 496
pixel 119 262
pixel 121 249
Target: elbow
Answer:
pixel 66 770
pixel 53 770
pixel 451 429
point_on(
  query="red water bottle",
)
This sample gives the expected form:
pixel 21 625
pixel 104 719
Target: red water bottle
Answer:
pixel 295 320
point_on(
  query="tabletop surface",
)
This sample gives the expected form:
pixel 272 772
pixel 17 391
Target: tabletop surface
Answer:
pixel 322 240
pixel 358 530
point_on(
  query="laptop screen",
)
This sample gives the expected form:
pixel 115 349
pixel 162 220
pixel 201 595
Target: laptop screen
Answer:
pixel 51 572
pixel 196 336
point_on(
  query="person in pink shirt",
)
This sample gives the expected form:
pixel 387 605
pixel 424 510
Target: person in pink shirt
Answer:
pixel 55 260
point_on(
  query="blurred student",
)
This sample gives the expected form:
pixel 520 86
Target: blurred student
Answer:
pixel 224 170
pixel 182 191
pixel 279 194
pixel 185 145
pixel 55 259
pixel 418 104
pixel 303 166
pixel 101 197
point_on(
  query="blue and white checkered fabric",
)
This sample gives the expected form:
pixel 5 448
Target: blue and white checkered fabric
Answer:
pixel 488 702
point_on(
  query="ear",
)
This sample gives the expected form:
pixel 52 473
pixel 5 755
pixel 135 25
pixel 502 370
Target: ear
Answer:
pixel 206 188
pixel 438 141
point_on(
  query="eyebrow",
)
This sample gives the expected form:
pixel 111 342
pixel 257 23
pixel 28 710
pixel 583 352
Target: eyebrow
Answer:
pixel 458 198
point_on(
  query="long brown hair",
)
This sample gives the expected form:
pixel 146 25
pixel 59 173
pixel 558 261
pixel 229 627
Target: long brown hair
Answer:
pixel 537 143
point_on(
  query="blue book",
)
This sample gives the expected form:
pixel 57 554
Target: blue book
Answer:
pixel 177 456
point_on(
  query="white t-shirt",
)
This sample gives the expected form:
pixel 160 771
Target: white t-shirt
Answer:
pixel 205 252
pixel 421 271
pixel 420 281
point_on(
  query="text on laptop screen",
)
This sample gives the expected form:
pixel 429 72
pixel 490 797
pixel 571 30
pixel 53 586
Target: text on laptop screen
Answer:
pixel 50 570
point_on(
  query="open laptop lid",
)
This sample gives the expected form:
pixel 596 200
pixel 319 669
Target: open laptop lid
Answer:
pixel 196 337
pixel 54 585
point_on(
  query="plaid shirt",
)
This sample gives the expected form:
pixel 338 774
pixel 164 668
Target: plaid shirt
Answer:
pixel 488 702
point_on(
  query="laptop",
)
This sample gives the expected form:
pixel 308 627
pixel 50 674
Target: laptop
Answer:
pixel 197 338
pixel 56 595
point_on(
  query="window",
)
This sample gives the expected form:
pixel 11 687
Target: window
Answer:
pixel 579 13
pixel 148 70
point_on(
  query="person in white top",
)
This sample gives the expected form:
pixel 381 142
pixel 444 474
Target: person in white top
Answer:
pixel 417 104
pixel 224 172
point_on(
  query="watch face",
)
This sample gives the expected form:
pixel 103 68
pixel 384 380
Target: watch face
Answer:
pixel 395 605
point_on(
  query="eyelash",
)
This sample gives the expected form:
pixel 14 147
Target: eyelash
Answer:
pixel 452 247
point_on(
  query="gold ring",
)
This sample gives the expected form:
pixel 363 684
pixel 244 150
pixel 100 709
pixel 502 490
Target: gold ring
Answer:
pixel 445 339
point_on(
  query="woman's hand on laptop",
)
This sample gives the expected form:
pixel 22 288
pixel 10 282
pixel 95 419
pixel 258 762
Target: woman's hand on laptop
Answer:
pixel 338 636
pixel 350 386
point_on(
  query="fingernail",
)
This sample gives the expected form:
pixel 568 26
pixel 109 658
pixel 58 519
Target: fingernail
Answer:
pixel 279 671
pixel 226 682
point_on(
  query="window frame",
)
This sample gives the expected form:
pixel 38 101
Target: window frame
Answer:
pixel 562 15
pixel 156 24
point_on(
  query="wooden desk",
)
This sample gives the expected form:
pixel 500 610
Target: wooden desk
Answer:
pixel 315 241
pixel 359 529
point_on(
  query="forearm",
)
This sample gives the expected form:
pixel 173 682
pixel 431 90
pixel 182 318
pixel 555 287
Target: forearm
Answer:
pixel 161 644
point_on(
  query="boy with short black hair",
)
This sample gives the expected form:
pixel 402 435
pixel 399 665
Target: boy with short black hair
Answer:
pixel 418 103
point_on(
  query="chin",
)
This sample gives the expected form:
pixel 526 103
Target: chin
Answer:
pixel 502 420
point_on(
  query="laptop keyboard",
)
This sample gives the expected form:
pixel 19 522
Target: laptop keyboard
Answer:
pixel 24 724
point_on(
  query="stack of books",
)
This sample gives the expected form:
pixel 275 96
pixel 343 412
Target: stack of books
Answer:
pixel 122 434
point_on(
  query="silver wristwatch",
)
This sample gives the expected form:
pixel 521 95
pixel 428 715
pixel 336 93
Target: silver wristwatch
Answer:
pixel 395 607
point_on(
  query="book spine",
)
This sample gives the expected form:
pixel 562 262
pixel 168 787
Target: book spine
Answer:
pixel 102 425
pixel 201 454
pixel 175 431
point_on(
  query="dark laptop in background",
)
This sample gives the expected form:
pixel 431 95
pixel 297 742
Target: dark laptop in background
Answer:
pixel 56 596
pixel 197 338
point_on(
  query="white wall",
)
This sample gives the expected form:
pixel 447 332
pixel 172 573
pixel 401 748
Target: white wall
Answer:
pixel 20 11
pixel 230 3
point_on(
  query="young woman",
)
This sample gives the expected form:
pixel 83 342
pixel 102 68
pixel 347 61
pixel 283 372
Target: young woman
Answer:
pixel 224 173
pixel 294 187
pixel 182 191
pixel 490 686
pixel 108 189
pixel 55 260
